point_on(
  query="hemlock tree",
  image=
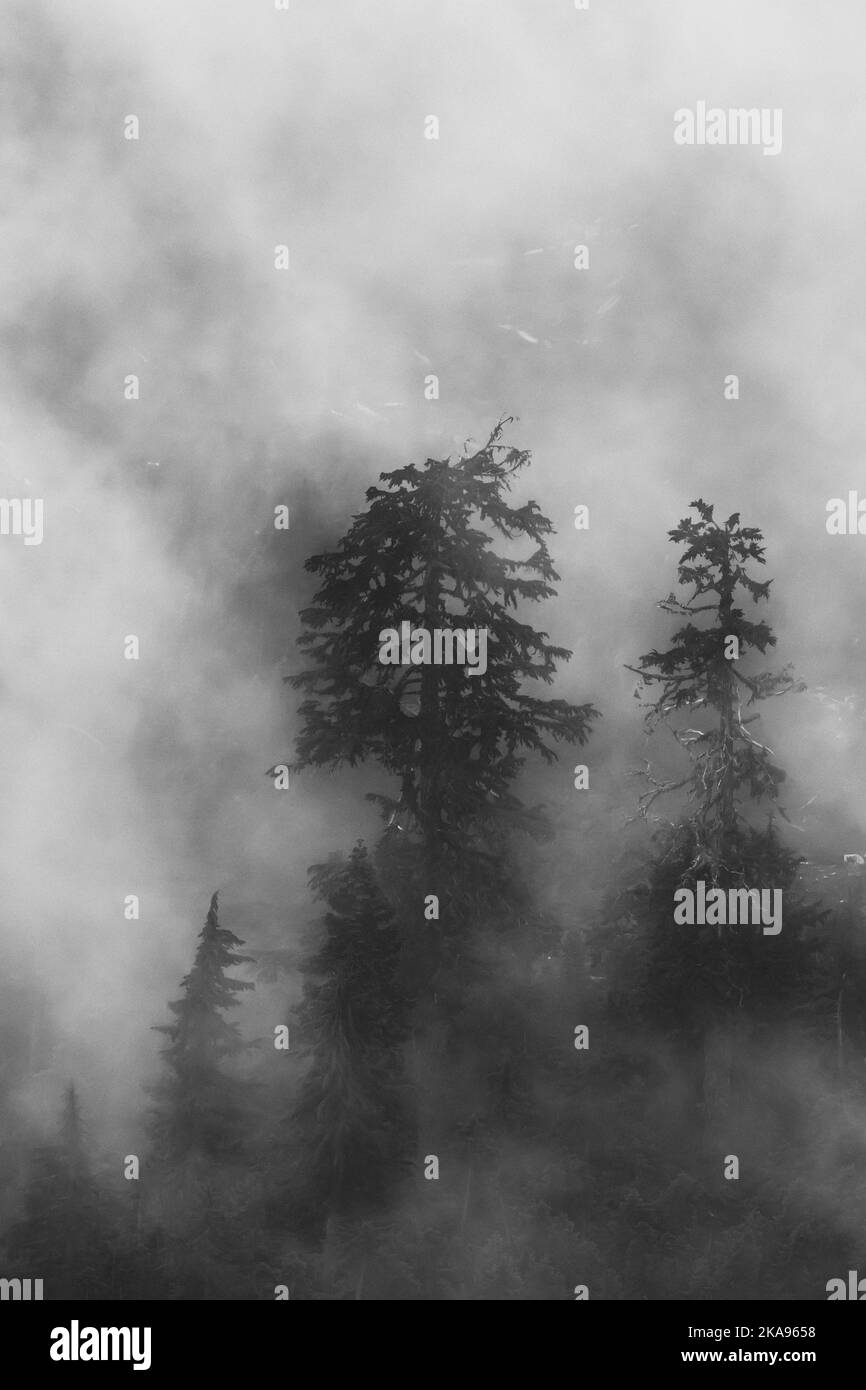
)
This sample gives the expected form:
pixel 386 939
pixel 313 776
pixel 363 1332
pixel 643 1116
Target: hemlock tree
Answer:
pixel 700 673
pixel 454 741
pixel 350 1122
pixel 702 979
pixel 65 1235
pixel 423 553
pixel 199 1103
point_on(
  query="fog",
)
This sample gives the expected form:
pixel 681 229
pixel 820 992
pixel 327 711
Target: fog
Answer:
pixel 408 256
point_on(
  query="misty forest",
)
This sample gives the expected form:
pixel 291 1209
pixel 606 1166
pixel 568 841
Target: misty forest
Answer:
pixel 465 1094
pixel 432 715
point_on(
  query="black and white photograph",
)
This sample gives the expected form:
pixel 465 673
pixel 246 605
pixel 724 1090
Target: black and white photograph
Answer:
pixel 432 661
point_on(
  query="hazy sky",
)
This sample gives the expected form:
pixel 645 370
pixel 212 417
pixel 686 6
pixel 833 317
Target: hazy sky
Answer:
pixel 407 256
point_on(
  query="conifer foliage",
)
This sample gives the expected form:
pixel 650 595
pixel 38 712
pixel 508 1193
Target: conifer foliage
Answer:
pixel 349 1126
pixel 199 1103
pixel 701 676
pixel 422 552
pixel 703 982
pixel 64 1234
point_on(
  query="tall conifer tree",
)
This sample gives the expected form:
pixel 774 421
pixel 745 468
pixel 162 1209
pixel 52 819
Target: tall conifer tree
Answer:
pixel 701 674
pixel 703 980
pixel 199 1103
pixel 422 552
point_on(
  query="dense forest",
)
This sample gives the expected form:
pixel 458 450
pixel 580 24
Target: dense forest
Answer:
pixel 468 1096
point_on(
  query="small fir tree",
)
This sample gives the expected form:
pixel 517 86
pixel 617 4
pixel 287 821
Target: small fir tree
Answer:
pixel 200 1105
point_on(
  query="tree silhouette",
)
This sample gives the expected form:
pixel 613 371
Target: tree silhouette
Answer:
pixel 699 677
pixel 65 1235
pixel 454 741
pixel 703 982
pixel 199 1104
pixel 350 1117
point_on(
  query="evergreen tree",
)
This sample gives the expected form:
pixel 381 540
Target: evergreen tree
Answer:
pixel 350 1121
pixel 455 741
pixel 423 552
pixel 200 1104
pixel 701 673
pixel 65 1234
pixel 704 981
